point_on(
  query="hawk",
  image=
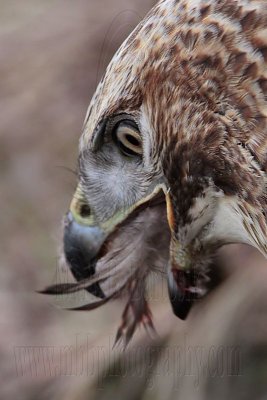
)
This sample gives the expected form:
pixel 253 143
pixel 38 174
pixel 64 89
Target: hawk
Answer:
pixel 172 157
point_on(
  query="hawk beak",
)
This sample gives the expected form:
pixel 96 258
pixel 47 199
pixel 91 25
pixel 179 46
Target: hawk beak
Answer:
pixel 181 276
pixel 85 240
pixel 82 241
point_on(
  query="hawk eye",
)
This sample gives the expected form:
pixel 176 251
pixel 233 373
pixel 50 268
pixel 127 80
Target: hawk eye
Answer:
pixel 128 139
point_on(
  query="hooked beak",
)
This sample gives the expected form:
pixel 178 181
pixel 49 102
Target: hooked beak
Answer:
pixel 85 242
pixel 82 242
pixel 81 246
pixel 83 239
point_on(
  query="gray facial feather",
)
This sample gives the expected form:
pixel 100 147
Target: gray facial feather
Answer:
pixel 112 182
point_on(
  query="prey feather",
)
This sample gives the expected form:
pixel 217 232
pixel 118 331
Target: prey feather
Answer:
pixel 130 255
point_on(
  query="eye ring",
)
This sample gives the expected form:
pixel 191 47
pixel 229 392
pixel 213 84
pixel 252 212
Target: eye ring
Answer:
pixel 128 139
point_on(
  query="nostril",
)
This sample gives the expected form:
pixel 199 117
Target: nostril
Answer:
pixel 85 211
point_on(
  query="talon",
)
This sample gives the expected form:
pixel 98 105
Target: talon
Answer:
pixel 182 291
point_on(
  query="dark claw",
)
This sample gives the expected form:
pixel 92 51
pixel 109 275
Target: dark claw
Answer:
pixel 181 291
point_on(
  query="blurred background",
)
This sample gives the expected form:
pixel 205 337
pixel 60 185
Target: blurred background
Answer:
pixel 52 54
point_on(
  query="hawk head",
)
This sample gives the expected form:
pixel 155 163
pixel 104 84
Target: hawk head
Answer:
pixel 172 156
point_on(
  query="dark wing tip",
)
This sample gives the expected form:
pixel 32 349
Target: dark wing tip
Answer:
pixel 89 306
pixel 62 288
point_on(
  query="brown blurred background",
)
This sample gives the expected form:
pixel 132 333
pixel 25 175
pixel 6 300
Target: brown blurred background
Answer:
pixel 52 55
